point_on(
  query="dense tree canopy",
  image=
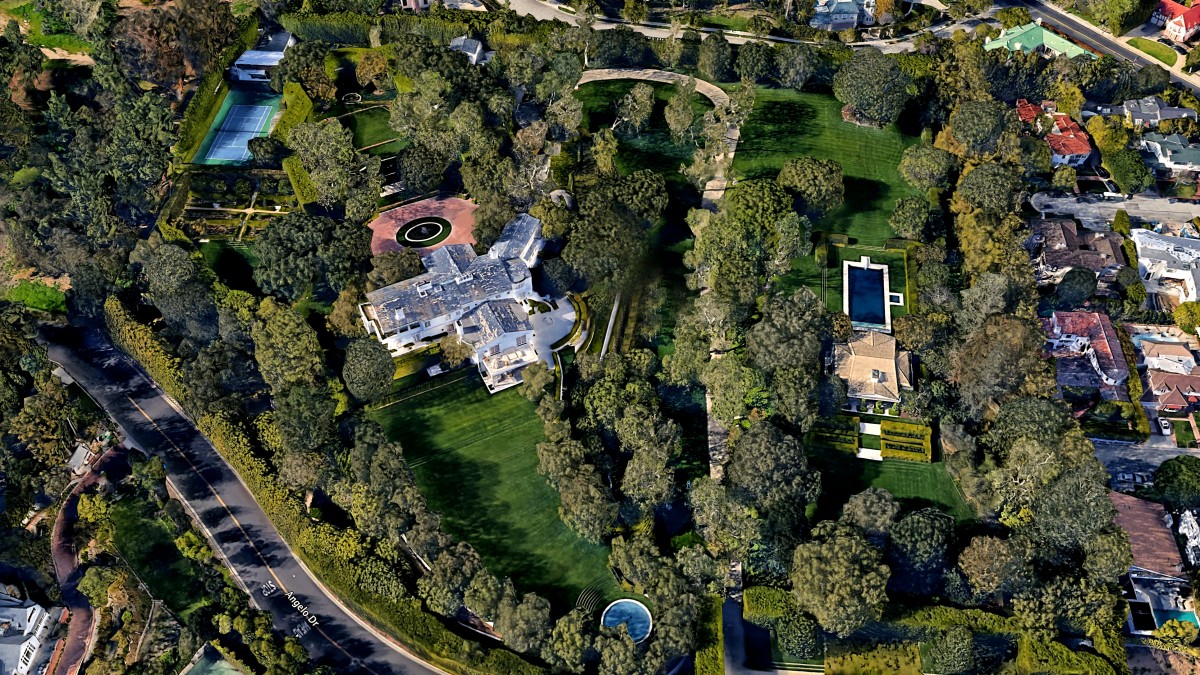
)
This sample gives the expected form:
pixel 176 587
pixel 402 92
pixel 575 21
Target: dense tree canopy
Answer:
pixel 873 85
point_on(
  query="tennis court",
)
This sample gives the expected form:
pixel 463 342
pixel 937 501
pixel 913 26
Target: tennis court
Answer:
pixel 242 123
pixel 244 114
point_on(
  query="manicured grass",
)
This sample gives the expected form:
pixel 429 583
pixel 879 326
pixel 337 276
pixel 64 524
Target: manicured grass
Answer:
pixel 36 295
pixel 914 484
pixel 148 546
pixel 787 124
pixel 806 274
pixel 371 127
pixel 232 262
pixel 1160 52
pixel 475 460
pixel 1184 437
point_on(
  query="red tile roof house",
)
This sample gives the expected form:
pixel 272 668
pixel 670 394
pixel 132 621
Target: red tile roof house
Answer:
pixel 1179 23
pixel 1156 586
pixel 1088 353
pixel 1069 144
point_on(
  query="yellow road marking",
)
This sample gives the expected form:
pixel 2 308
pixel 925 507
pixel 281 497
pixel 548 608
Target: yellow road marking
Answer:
pixel 232 517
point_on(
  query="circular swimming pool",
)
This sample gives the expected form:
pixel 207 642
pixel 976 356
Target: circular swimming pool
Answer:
pixel 633 614
pixel 425 231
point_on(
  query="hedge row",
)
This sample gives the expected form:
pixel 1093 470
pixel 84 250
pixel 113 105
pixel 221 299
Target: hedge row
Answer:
pixel 211 90
pixel 890 450
pixel 302 185
pixel 710 657
pixel 1140 420
pixel 339 28
pixel 438 31
pixel 137 340
pixel 297 107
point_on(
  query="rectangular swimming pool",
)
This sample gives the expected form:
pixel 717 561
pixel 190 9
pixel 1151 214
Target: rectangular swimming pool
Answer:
pixel 867 295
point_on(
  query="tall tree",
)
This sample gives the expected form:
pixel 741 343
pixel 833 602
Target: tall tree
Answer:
pixel 839 578
pixel 873 85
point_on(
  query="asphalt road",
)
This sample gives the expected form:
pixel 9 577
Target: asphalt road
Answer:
pixel 1100 213
pixel 248 540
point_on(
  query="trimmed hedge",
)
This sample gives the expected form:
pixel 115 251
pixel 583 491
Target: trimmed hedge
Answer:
pixel 137 340
pixel 1036 656
pixel 710 657
pixel 764 605
pixel 302 185
pixel 904 440
pixel 339 28
pixel 297 107
pixel 210 92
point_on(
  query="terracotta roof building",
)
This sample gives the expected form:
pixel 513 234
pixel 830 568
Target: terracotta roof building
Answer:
pixel 873 368
pixel 1088 353
pixel 1150 536
pixel 1058 244
pixel 1069 144
pixel 1156 587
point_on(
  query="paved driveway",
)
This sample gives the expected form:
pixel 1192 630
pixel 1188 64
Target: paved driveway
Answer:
pixel 550 327
pixel 1134 459
pixel 1100 214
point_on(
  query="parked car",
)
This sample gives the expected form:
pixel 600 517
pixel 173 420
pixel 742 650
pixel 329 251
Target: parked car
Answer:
pixel 1164 425
pixel 1165 41
pixel 1179 50
pixel 1173 200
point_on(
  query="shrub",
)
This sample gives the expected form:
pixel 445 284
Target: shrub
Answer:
pixel 798 635
pixel 764 605
pixel 142 344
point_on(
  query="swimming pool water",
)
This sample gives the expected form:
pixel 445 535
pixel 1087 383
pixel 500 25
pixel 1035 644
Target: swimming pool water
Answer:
pixel 867 296
pixel 633 614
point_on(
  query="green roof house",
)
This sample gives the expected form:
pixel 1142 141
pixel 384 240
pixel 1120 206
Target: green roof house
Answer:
pixel 1172 152
pixel 1033 37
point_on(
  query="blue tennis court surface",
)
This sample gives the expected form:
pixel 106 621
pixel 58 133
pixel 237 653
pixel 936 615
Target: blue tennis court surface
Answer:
pixel 244 114
pixel 242 123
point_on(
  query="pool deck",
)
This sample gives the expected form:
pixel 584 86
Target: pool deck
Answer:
pixel 460 213
pixel 865 263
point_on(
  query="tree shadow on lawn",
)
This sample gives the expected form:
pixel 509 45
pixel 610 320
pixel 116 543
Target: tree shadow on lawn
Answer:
pixel 466 495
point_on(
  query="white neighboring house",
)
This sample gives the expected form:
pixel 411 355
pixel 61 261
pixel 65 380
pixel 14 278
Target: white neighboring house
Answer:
pixel 255 65
pixel 24 629
pixel 473 48
pixel 1168 265
pixel 836 15
pixel 482 299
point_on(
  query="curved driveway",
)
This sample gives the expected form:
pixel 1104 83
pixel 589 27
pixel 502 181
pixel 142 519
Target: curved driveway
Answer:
pixel 254 549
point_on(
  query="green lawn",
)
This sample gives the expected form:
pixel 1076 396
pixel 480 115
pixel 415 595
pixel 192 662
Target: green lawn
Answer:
pixel 1184 437
pixel 806 274
pixel 1160 52
pixel 914 484
pixel 36 295
pixel 475 460
pixel 233 263
pixel 371 127
pixel 146 543
pixel 786 124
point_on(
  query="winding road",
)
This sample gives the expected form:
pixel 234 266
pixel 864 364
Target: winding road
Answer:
pixel 256 552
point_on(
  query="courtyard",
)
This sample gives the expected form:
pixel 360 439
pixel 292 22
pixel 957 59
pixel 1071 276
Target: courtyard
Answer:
pixel 425 225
